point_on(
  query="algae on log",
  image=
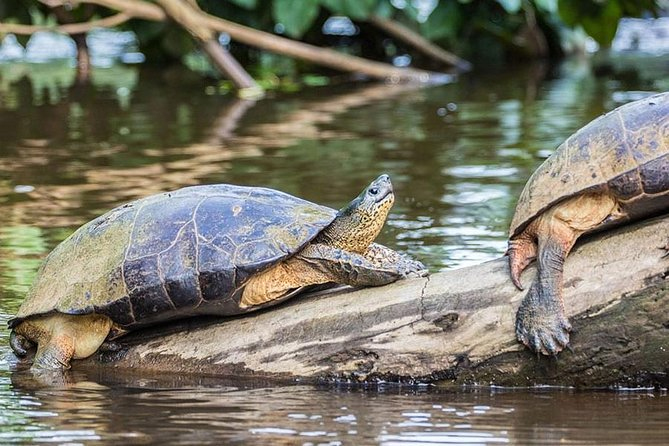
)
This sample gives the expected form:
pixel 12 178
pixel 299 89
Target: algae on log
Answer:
pixel 454 327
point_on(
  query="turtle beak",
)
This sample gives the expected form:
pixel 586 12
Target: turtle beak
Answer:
pixel 382 186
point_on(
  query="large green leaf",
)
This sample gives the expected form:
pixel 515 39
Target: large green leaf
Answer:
pixel 355 9
pixel 598 19
pixel 603 27
pixel 444 22
pixel 295 15
pixel 570 11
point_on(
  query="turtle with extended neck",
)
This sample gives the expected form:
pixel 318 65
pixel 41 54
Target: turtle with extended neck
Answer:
pixel 201 250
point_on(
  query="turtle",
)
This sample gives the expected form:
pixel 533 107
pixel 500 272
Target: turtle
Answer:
pixel 215 249
pixel 612 171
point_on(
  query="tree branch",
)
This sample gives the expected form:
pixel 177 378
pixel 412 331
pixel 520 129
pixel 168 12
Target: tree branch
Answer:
pixel 419 42
pixel 187 14
pixel 277 44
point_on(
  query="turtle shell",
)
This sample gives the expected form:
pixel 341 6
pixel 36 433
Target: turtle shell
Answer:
pixel 625 152
pixel 173 255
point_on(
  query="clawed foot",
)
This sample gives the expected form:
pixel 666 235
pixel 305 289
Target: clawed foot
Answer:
pixel 413 269
pixel 542 325
pixel 666 250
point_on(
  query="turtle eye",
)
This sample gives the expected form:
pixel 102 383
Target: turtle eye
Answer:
pixel 374 190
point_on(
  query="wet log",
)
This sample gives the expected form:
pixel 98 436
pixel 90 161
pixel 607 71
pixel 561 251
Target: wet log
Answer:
pixel 452 327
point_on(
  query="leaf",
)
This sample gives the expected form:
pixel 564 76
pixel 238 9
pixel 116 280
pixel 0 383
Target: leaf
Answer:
pixel 569 11
pixel 246 4
pixel 355 9
pixel 550 6
pixel 511 6
pixel 295 15
pixel 603 27
pixel 444 21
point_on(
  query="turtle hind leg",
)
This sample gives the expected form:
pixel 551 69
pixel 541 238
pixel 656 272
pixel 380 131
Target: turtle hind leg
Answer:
pixel 541 323
pixel 54 354
pixel 20 344
pixel 62 337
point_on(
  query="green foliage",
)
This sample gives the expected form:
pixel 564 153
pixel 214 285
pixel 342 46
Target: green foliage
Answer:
pixel 485 28
pixel 600 19
pixel 444 22
pixel 548 6
pixel 296 16
pixel 355 9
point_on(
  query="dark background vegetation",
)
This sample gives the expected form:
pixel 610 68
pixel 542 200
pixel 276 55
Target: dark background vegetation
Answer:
pixel 483 31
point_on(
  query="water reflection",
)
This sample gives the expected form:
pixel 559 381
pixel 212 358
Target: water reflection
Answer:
pixel 210 412
pixel 458 154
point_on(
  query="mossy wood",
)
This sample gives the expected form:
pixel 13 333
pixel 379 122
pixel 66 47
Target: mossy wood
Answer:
pixel 453 327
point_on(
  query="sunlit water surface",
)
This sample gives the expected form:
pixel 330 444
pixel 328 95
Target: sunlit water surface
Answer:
pixel 458 156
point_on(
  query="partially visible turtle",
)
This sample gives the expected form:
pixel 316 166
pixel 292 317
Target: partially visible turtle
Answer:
pixel 613 170
pixel 202 250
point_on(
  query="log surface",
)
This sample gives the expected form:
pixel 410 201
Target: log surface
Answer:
pixel 452 327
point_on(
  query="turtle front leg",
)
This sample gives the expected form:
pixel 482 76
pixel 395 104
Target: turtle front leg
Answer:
pixel 385 257
pixel 319 263
pixel 379 265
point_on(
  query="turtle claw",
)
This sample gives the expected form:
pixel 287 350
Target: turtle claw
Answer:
pixel 413 269
pixel 542 327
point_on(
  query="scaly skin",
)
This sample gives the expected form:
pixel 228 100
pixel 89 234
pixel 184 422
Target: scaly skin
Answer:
pixel 60 337
pixel 541 323
pixel 342 253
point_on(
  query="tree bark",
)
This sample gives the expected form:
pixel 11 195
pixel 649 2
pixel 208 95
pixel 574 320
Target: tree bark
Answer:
pixel 452 327
pixel 187 14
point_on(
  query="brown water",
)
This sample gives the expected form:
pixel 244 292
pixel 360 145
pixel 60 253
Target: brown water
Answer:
pixel 458 155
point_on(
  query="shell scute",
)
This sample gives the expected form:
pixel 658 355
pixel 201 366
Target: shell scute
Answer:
pixel 623 151
pixel 173 254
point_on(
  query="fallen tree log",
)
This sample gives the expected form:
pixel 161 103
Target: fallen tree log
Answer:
pixel 452 327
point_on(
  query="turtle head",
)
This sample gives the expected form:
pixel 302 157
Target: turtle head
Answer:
pixel 359 223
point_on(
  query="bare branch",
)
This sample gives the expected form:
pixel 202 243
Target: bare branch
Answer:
pixel 276 44
pixel 419 42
